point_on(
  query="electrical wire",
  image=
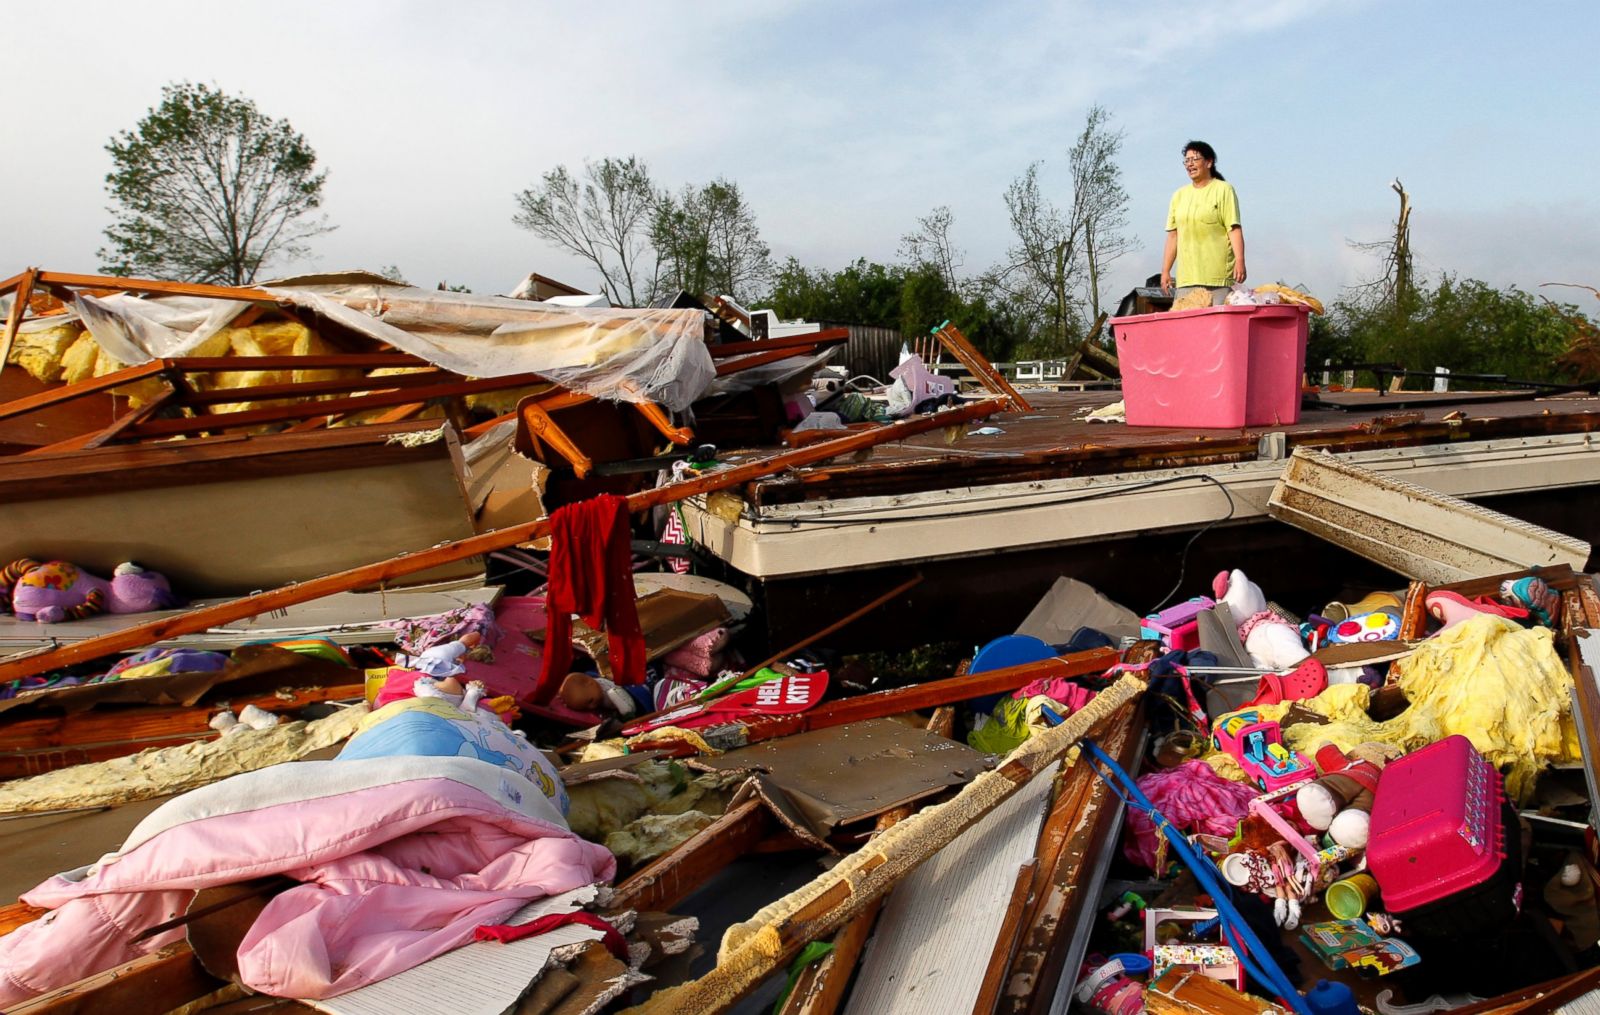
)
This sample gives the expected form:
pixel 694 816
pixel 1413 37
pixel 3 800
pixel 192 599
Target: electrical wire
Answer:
pixel 1183 560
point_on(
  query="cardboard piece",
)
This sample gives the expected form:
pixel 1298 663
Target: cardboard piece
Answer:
pixel 669 618
pixel 739 605
pixel 504 488
pixel 855 771
pixel 1071 604
pixel 480 978
pixel 1186 992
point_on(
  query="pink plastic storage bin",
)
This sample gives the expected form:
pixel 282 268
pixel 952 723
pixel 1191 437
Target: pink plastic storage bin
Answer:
pixel 1213 368
pixel 1437 833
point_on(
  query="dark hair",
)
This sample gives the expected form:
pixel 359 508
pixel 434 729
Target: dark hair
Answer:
pixel 1206 152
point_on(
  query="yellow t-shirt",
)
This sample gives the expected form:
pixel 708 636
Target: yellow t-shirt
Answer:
pixel 1202 216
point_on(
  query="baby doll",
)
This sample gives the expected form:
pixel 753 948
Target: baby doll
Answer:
pixel 597 695
pixel 442 669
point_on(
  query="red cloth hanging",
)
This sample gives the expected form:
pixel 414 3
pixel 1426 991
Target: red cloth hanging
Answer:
pixel 506 933
pixel 591 574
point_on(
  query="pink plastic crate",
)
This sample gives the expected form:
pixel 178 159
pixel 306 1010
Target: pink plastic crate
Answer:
pixel 1213 368
pixel 1436 825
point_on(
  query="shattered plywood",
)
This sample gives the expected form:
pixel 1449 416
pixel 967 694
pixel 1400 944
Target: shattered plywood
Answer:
pixel 857 771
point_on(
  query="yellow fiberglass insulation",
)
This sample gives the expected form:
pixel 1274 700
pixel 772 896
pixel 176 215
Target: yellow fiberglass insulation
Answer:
pixel 40 352
pixel 269 338
pixel 1499 685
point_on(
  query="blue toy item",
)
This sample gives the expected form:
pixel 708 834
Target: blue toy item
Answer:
pixel 1330 997
pixel 1007 650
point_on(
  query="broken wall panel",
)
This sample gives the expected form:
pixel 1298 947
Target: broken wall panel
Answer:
pixel 1413 531
pixel 232 515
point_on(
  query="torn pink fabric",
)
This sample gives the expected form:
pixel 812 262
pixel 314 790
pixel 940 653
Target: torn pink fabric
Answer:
pixel 1194 798
pixel 401 859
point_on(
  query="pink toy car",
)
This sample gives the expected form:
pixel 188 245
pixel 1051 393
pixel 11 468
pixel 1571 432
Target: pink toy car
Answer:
pixel 1257 745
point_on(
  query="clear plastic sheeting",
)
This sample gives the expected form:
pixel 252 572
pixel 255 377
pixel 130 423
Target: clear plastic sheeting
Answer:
pixel 623 355
pixel 135 331
pixel 619 355
pixel 616 354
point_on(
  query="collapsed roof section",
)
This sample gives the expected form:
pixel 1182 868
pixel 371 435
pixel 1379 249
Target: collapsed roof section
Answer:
pixel 648 355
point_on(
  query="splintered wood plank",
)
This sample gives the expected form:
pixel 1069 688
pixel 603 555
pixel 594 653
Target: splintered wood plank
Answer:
pixel 19 309
pixel 1078 825
pixel 150 985
pixel 33 746
pixel 1005 945
pixel 938 930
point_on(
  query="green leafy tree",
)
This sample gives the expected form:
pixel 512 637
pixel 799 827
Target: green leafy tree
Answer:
pixel 209 189
pixel 1462 324
pixel 604 217
pixel 862 292
pixel 707 241
pixel 910 299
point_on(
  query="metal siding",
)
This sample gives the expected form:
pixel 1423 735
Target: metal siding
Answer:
pixel 871 350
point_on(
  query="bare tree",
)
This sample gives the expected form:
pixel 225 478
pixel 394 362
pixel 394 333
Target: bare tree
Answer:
pixel 930 244
pixel 1099 202
pixel 1397 286
pixel 603 217
pixel 1046 260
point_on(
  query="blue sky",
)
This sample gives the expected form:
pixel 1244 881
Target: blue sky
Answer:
pixel 845 122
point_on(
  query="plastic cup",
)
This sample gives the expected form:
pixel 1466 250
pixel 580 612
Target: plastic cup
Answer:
pixel 1349 898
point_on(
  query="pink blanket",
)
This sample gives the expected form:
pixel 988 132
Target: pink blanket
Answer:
pixel 401 859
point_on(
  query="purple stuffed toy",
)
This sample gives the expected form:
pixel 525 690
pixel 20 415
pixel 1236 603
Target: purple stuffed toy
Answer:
pixel 55 591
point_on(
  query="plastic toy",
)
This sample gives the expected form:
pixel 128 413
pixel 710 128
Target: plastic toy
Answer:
pixel 1176 627
pixel 1257 745
pixel 1376 626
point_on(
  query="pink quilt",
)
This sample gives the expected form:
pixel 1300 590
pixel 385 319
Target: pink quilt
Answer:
pixel 401 859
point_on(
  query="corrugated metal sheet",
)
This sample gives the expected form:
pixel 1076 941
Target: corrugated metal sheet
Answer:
pixel 871 350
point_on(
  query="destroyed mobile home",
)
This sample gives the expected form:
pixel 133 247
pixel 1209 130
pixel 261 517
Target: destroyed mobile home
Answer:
pixel 274 740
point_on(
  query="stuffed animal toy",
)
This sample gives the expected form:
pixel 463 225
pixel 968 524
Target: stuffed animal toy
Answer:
pixel 1273 643
pixel 56 591
pixel 1339 800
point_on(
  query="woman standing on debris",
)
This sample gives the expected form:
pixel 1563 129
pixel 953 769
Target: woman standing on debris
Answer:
pixel 1203 231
